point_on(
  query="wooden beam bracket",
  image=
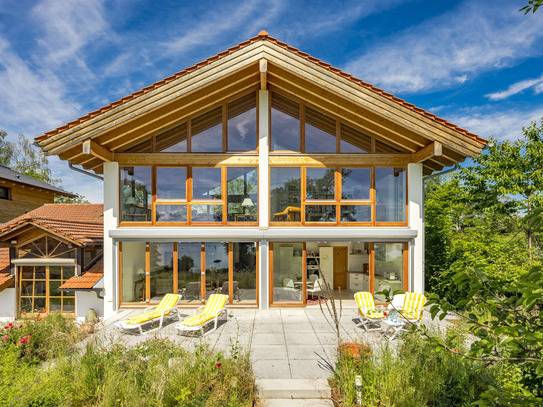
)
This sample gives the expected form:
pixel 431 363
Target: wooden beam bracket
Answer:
pixel 431 150
pixel 263 74
pixel 90 147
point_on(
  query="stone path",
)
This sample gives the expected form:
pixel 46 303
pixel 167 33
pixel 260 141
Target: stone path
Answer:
pixel 287 345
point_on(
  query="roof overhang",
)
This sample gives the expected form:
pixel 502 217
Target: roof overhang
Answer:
pixel 263 64
pixel 28 230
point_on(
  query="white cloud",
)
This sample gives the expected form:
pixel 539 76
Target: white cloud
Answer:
pixel 502 124
pixel 518 87
pixel 446 50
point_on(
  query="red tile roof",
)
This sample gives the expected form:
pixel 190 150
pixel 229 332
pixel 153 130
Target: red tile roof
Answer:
pixel 263 36
pixel 6 280
pixel 82 223
pixel 87 280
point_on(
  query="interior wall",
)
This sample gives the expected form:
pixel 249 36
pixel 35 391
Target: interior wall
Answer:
pixel 85 300
pixel 8 304
pixel 357 255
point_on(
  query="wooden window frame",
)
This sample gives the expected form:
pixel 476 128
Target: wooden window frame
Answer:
pixel 338 202
pixel 304 279
pixel 147 302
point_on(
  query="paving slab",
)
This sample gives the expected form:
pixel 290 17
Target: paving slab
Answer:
pixel 293 389
pixel 269 352
pixel 302 338
pixel 308 369
pixel 271 369
pixel 304 352
pixel 296 403
pixel 273 338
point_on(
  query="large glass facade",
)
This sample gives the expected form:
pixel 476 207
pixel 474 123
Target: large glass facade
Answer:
pixel 320 132
pixel 161 270
pixel 242 194
pixel 390 194
pixel 285 194
pixel 242 124
pixel 288 272
pixel 136 194
pixel 206 132
pixel 285 123
pixel 133 272
pixel 389 268
pixel 216 258
pixel 244 284
pixel 189 267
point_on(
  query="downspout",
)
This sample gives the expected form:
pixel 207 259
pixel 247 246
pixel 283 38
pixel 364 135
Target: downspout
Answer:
pixel 90 174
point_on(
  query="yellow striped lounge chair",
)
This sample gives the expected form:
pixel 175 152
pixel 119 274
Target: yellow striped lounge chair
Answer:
pixel 369 317
pixel 166 308
pixel 413 307
pixel 215 307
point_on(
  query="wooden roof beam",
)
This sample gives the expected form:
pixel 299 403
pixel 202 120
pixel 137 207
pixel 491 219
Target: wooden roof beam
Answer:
pixel 435 149
pixel 90 147
pixel 263 74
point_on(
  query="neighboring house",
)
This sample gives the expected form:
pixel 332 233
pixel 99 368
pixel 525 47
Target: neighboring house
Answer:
pixel 241 173
pixel 51 260
pixel 20 193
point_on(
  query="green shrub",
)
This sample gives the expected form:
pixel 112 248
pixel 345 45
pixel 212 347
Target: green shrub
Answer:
pixel 418 373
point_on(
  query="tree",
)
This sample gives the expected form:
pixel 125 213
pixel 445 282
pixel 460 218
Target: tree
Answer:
pixel 23 157
pixel 508 177
pixel 532 6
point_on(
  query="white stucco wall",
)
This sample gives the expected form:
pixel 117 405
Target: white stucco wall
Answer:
pixel 85 300
pixel 8 308
pixel 416 222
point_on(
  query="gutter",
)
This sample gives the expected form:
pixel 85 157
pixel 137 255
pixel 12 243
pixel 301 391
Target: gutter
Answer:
pixel 90 174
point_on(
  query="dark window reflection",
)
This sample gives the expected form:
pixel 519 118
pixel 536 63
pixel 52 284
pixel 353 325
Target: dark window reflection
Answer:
pixel 242 123
pixel 136 194
pixel 285 186
pixel 390 194
pixel 355 183
pixel 353 141
pixel 320 183
pixel 206 132
pixel 320 132
pixel 242 195
pixel 173 140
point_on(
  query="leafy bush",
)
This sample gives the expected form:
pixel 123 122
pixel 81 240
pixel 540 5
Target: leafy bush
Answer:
pixel 420 374
pixel 156 372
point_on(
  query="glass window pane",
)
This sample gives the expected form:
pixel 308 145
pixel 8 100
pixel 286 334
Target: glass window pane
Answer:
pixel 189 267
pixel 136 194
pixel 355 183
pixel 55 272
pixel 320 183
pixel 388 268
pixel 285 123
pixel 206 183
pixel 216 267
pixel 161 263
pixel 171 183
pixel 68 294
pixel 40 272
pixel 206 132
pixel 171 213
pixel 390 194
pixel 242 190
pixel 26 304
pixel 287 272
pixel 53 288
pixel 244 273
pixel 320 213
pixel 55 305
pixel 39 304
pixel 173 140
pixel 285 194
pixel 68 305
pixel 27 288
pixel 320 132
pixel 206 213
pixel 27 272
pixel 133 272
pixel 353 141
pixel 67 272
pixel 356 213
pixel 242 123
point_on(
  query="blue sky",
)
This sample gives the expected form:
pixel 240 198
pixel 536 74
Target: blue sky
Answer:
pixel 479 64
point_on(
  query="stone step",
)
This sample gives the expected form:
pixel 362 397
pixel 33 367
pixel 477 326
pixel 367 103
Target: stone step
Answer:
pixel 296 403
pixel 293 389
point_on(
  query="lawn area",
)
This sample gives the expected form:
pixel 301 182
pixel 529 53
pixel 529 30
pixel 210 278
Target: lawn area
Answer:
pixel 45 363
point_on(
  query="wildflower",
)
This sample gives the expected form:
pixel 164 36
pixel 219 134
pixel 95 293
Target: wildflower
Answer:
pixel 20 326
pixel 385 313
pixel 6 327
pixel 456 350
pixel 218 365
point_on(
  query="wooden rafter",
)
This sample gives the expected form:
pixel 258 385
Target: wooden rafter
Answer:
pixel 435 149
pixel 90 147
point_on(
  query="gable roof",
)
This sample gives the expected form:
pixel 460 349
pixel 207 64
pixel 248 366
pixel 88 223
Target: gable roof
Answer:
pixel 80 223
pixel 154 107
pixel 16 177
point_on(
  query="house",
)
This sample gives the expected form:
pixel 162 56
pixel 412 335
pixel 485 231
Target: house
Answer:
pixel 20 193
pixel 242 173
pixel 51 260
